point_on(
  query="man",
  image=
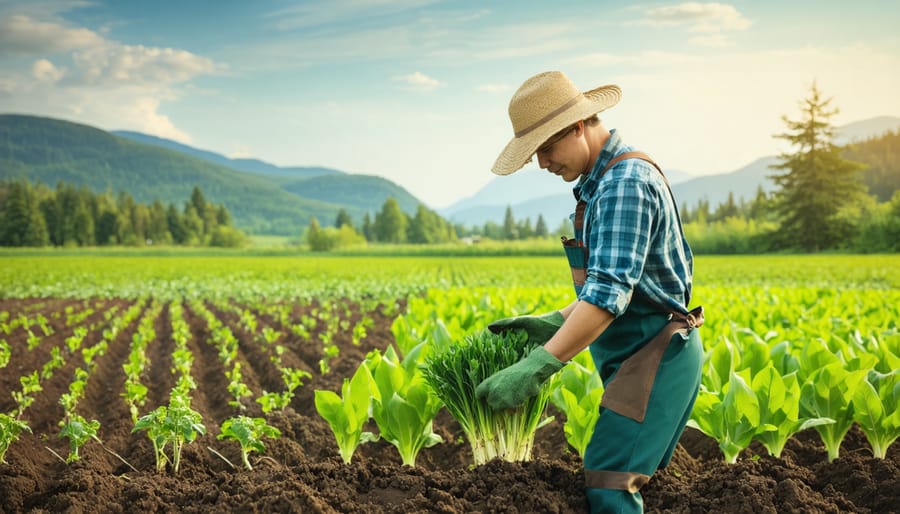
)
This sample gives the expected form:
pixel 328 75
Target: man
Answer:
pixel 632 271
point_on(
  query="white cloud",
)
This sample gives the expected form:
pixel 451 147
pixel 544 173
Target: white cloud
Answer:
pixel 710 20
pixel 710 41
pixel 493 88
pixel 419 81
pixel 116 63
pixel 709 17
pixel 93 79
pixel 22 35
pixel 45 71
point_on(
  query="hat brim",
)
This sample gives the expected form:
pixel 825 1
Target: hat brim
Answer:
pixel 519 151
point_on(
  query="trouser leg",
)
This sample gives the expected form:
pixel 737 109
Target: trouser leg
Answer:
pixel 624 453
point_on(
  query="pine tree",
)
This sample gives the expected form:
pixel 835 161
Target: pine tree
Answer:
pixel 509 225
pixel 540 228
pixel 818 181
pixel 343 218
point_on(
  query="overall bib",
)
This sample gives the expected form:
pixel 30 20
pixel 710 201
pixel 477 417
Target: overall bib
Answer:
pixel 649 360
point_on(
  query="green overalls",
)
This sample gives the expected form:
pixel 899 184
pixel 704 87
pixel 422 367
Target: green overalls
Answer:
pixel 650 362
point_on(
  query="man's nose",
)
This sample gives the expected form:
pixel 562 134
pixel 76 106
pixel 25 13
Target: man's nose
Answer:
pixel 543 161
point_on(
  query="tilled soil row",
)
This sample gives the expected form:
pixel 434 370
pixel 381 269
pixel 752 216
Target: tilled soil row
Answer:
pixel 301 471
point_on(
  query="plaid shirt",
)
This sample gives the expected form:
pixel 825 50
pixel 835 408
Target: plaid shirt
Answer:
pixel 634 235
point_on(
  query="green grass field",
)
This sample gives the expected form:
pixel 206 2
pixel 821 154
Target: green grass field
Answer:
pixel 197 273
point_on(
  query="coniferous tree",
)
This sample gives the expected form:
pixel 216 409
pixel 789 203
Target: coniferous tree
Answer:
pixel 158 225
pixel 366 228
pixel 817 181
pixel 343 218
pixel 728 209
pixel 83 225
pixel 540 228
pixel 176 225
pixel 509 225
pixel 21 220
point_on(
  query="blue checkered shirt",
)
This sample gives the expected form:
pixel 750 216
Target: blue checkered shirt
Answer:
pixel 634 235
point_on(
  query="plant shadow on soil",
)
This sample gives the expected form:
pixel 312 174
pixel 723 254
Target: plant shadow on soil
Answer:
pixel 302 472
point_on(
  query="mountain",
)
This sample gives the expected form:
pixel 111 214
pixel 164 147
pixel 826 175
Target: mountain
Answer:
pixel 530 193
pixel 525 191
pixel 357 193
pixel 49 151
pixel 866 129
pixel 246 165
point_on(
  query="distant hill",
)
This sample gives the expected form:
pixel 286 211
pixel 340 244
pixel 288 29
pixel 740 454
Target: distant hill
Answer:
pixel 530 193
pixel 357 193
pixel 48 151
pixel 247 165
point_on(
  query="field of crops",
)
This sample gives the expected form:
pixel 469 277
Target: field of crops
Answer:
pixel 246 383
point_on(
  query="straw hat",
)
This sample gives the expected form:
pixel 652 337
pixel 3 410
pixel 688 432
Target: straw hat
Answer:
pixel 544 105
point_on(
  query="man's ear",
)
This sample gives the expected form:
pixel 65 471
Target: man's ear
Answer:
pixel 579 130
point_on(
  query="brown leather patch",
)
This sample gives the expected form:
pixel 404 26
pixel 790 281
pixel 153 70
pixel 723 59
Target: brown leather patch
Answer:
pixel 579 275
pixel 628 393
pixel 619 480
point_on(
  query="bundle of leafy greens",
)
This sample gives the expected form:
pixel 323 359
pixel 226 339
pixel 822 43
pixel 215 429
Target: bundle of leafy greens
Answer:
pixel 455 370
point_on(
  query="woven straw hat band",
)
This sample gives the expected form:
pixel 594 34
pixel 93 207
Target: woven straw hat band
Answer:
pixel 540 99
pixel 548 117
pixel 545 104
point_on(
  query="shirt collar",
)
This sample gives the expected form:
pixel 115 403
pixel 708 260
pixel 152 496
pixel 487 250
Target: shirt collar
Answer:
pixel 588 182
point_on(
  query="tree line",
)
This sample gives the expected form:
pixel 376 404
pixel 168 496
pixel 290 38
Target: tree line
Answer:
pixel 39 216
pixel 826 199
pixel 389 225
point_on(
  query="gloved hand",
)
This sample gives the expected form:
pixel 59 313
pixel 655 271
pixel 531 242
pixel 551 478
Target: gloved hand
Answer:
pixel 513 385
pixel 539 328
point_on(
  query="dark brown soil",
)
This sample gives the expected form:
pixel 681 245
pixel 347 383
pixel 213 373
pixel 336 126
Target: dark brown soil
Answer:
pixel 302 472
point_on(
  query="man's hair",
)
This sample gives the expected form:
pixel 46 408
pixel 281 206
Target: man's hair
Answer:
pixel 593 120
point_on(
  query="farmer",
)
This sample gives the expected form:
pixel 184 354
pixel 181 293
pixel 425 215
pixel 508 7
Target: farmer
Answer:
pixel 632 272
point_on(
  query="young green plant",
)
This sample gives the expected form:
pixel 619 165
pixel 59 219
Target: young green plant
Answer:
pixel 576 391
pixel 875 410
pixel 79 431
pixel 347 414
pixel 248 432
pixel 405 406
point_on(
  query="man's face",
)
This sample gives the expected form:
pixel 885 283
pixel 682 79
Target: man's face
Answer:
pixel 560 154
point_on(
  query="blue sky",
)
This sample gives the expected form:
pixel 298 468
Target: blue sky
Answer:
pixel 417 90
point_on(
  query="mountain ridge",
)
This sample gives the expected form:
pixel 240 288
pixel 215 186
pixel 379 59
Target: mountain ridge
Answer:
pixel 532 186
pixel 49 150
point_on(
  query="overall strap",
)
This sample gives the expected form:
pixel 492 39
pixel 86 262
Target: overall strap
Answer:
pixel 577 252
pixel 580 207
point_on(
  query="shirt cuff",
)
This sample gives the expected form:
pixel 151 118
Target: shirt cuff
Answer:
pixel 612 297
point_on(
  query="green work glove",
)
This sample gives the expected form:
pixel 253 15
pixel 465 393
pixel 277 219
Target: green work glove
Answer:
pixel 512 386
pixel 539 328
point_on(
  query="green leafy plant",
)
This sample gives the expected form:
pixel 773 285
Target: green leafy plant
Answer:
pixel 453 373
pixel 159 433
pixel 828 393
pixel 248 432
pixel 779 407
pixel 875 410
pixel 79 431
pixel 5 353
pixel 405 406
pixel 730 416
pixel 576 391
pixel 347 414
pixel 10 429
pixel 177 424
